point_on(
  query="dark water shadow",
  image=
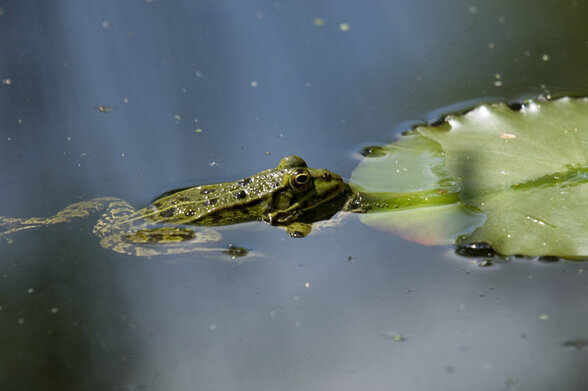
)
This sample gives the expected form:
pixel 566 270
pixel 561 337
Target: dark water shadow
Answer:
pixel 52 338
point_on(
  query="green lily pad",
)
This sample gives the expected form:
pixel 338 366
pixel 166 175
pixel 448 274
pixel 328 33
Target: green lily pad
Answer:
pixel 515 179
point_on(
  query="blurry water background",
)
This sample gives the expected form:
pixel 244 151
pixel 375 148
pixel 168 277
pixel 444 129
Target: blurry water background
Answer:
pixel 211 91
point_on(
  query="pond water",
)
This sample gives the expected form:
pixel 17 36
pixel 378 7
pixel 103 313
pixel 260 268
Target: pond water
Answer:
pixel 131 99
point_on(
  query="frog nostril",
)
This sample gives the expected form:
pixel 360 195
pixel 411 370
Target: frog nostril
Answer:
pixel 327 176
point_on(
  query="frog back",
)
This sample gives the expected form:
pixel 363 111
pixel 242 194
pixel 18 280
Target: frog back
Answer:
pixel 247 199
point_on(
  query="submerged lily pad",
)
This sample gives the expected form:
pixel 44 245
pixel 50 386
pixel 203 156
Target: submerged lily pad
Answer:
pixel 516 179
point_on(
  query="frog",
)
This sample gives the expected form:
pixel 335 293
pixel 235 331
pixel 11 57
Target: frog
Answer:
pixel 292 196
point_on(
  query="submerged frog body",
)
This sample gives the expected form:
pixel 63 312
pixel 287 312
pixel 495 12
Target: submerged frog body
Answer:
pixel 292 196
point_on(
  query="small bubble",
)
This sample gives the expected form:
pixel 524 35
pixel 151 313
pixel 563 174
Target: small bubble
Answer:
pixel 254 83
pixel 54 310
pixel 272 313
pixel 7 81
pixel 344 26
pixel 213 326
pixel 491 45
pixel 105 24
pixel 502 19
pixel 544 316
pixel 21 320
pixel 297 323
pixel 198 74
pixel 307 284
pixel 545 57
pixel 31 290
pixel 473 9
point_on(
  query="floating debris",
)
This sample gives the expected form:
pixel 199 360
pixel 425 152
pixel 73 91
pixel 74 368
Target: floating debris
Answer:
pixel 579 343
pixel 236 251
pixel 319 22
pixel 104 109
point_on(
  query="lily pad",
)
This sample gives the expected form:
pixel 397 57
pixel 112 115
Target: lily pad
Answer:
pixel 515 178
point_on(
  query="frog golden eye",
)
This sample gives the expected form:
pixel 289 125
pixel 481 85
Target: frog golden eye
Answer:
pixel 300 180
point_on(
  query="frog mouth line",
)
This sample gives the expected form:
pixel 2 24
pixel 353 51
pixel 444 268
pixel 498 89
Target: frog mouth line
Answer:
pixel 338 196
pixel 328 196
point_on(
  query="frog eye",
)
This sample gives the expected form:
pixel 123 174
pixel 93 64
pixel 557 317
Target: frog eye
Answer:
pixel 300 180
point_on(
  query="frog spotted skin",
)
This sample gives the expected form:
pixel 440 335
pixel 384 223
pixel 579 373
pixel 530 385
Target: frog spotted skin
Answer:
pixel 292 196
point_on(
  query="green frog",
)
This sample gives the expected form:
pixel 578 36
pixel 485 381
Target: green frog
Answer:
pixel 291 196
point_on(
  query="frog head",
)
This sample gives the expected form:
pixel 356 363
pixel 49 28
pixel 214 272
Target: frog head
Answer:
pixel 306 195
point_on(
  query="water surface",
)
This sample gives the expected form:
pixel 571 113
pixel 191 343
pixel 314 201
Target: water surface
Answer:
pixel 210 91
